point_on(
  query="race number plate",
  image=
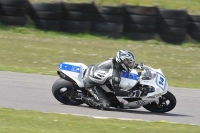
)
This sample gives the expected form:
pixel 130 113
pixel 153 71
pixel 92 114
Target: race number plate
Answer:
pixel 160 80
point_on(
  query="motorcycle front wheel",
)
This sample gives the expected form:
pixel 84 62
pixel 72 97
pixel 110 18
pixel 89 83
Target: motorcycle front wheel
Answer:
pixel 65 92
pixel 166 103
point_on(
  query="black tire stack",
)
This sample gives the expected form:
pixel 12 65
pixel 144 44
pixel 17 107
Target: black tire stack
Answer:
pixel 193 27
pixel 140 22
pixel 172 25
pixel 46 16
pixel 109 21
pixel 77 17
pixel 13 12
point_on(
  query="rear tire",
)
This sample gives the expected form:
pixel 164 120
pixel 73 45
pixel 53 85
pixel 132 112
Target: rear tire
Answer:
pixel 62 90
pixel 163 105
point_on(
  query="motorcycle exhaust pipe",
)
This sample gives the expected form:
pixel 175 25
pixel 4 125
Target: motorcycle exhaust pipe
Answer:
pixel 137 103
pixel 132 105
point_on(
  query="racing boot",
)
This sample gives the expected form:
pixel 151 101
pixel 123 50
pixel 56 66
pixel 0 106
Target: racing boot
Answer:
pixel 90 101
pixel 97 100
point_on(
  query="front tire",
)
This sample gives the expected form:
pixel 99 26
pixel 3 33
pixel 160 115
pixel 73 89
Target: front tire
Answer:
pixel 65 92
pixel 166 103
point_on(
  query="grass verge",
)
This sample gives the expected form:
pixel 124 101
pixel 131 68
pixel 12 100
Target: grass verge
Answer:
pixel 26 49
pixel 25 121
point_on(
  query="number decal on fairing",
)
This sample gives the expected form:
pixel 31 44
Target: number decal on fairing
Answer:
pixel 160 80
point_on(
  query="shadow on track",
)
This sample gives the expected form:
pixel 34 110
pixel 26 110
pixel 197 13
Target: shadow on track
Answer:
pixel 135 111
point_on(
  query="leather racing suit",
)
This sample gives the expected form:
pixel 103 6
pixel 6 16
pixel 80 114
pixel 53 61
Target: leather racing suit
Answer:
pixel 105 72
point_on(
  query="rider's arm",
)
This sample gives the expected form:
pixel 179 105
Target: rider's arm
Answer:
pixel 139 65
pixel 117 89
pixel 115 81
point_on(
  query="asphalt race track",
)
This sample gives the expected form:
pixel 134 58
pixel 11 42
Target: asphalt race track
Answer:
pixel 33 92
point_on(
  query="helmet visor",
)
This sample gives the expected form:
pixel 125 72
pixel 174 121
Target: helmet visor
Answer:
pixel 129 64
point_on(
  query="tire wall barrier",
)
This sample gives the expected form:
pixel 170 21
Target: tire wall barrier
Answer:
pixel 132 22
pixel 140 22
pixel 193 26
pixel 78 18
pixel 171 25
pixel 13 12
pixel 46 16
pixel 108 21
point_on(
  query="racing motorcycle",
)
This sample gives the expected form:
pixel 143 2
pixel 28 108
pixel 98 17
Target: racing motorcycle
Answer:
pixel 155 96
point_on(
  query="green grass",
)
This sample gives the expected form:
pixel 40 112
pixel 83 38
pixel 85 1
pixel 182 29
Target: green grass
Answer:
pixel 192 6
pixel 25 49
pixel 24 121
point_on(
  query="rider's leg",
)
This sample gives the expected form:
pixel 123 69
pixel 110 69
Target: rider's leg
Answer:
pixel 102 98
pixel 99 99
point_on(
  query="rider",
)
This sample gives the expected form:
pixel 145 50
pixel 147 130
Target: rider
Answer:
pixel 105 72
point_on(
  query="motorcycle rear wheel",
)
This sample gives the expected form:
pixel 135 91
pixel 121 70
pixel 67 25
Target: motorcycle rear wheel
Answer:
pixel 63 91
pixel 166 103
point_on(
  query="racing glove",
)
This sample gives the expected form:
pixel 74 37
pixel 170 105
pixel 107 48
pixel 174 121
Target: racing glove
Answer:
pixel 139 65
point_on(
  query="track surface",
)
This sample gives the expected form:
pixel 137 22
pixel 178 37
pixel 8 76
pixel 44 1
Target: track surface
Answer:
pixel 33 92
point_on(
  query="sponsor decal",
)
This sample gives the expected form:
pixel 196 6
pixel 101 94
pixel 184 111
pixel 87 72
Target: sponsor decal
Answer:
pixel 129 75
pixel 69 67
pixel 141 102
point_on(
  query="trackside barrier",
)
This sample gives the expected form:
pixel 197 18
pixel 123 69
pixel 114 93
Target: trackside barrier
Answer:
pixel 132 22
pixel 13 12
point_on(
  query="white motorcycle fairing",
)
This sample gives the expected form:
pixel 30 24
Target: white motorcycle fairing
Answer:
pixel 155 79
pixel 74 71
pixel 149 77
pixel 128 80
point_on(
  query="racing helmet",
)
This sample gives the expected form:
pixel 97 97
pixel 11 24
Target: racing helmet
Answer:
pixel 125 60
